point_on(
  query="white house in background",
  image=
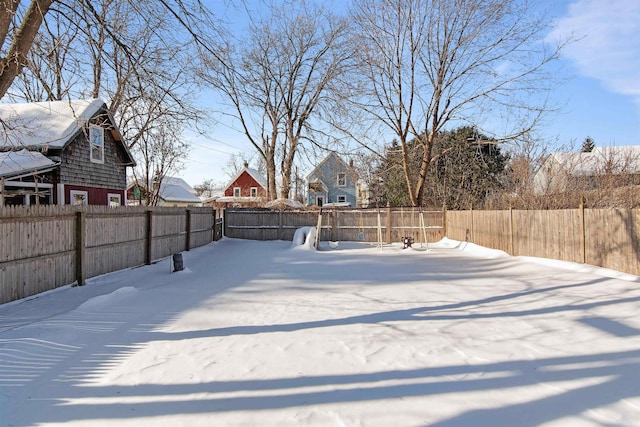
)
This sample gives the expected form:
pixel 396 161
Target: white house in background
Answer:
pixel 576 171
pixel 173 191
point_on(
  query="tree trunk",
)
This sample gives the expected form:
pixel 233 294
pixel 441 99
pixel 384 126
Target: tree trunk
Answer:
pixel 12 64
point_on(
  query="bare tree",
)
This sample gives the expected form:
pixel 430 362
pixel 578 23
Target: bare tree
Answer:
pixel 429 63
pixel 104 22
pixel 131 55
pixel 161 152
pixel 20 39
pixel 278 82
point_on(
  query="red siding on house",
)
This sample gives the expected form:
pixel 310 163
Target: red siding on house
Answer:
pixel 97 196
pixel 245 181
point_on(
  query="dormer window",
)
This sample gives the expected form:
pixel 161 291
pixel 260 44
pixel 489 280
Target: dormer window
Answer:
pixel 342 179
pixel 96 142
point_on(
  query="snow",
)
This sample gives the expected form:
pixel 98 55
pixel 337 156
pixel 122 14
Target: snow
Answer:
pixel 283 203
pixel 51 123
pixel 280 334
pixel 14 163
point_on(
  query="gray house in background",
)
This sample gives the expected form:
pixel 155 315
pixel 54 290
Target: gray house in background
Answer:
pixel 62 152
pixel 332 181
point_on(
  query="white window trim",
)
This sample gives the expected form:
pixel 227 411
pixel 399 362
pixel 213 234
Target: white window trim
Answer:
pixel 115 196
pixel 254 192
pixel 93 128
pixel 84 194
pixel 318 198
pixel 344 179
pixel 342 199
pixel 237 190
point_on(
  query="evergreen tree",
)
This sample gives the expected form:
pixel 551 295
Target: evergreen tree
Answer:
pixel 466 169
pixel 588 145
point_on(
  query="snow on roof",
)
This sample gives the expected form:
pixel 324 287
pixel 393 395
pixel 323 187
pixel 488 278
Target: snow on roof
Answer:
pixel 23 162
pixel 283 203
pixel 51 124
pixel 174 189
pixel 624 159
pixel 254 173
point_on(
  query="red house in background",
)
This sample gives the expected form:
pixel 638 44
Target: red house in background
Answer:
pixel 247 189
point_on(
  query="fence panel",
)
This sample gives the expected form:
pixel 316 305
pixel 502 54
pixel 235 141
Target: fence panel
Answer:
pixel 40 251
pixel 613 240
pixel 337 224
pixel 607 238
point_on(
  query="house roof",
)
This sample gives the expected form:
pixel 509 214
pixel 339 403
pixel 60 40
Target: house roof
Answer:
pixel 624 159
pixel 338 159
pixel 317 180
pixel 254 173
pixel 52 124
pixel 174 189
pixel 14 164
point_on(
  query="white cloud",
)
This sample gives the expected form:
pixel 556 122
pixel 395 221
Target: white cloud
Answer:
pixel 608 48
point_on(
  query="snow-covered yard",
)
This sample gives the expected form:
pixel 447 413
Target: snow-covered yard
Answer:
pixel 266 334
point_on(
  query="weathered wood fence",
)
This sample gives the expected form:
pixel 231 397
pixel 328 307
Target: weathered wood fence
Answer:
pixel 607 238
pixel 337 224
pixel 45 247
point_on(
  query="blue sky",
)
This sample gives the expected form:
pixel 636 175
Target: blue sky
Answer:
pixel 600 98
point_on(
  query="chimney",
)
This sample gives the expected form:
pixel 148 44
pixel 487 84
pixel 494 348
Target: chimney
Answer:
pixel 246 164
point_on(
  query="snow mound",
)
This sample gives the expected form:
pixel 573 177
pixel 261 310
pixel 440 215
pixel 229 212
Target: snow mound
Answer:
pixel 113 297
pixel 469 248
pixel 284 203
pixel 304 238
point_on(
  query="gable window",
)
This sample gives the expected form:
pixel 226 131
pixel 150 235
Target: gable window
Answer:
pixel 342 179
pixel 96 142
pixel 114 199
pixel 79 198
pixel 342 199
pixel 254 191
pixel 236 191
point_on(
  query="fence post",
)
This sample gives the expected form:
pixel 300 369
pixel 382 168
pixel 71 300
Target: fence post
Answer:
pixel 214 225
pixel 187 244
pixel 334 226
pixel 148 254
pixel 583 232
pixel 388 233
pixel 473 237
pixel 80 246
pixel 444 220
pixel 225 232
pixel 280 229
pixel 512 249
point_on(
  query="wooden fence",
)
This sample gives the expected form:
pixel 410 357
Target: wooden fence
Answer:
pixel 44 247
pixel 337 224
pixel 607 238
